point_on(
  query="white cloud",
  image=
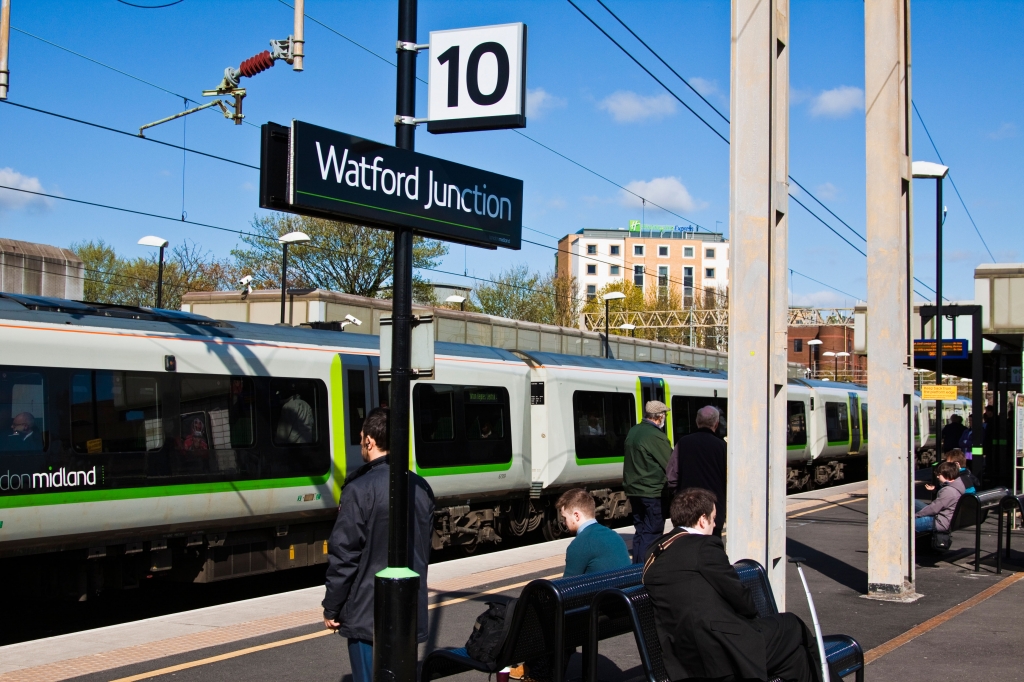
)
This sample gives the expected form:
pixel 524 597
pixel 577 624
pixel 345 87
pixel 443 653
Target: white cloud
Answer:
pixel 827 191
pixel 17 200
pixel 666 192
pixel 1005 132
pixel 821 299
pixel 837 102
pixel 704 86
pixel 626 106
pixel 539 101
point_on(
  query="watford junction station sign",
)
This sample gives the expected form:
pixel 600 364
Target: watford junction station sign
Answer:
pixel 319 172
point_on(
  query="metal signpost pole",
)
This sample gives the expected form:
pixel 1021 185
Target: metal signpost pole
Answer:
pixel 938 310
pixel 284 278
pixel 160 280
pixel 397 587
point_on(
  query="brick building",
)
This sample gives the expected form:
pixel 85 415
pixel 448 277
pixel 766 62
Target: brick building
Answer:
pixel 657 258
pixel 834 339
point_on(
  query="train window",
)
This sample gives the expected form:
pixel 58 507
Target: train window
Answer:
pixel 435 412
pixel 796 424
pixel 864 421
pixel 837 422
pixel 601 422
pixel 684 414
pixel 293 411
pixel 461 425
pixel 216 413
pixel 22 412
pixel 115 412
pixel 356 404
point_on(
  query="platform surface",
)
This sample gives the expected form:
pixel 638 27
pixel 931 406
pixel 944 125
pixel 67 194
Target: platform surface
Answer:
pixel 975 615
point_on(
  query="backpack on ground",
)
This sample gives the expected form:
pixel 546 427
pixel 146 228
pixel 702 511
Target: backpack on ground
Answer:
pixel 489 631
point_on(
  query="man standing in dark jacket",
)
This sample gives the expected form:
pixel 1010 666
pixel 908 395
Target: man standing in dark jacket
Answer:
pixel 647 452
pixel 358 548
pixel 699 461
pixel 705 617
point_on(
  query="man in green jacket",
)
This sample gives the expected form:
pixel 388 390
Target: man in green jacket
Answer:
pixel 643 476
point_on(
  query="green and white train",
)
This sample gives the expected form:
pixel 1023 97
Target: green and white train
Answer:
pixel 163 443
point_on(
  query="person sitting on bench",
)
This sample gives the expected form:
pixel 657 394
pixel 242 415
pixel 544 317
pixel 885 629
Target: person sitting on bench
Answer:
pixel 967 477
pixel 595 548
pixel 938 515
pixel 705 617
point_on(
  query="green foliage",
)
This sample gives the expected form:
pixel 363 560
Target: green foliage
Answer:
pixel 341 257
pixel 122 281
pixel 520 294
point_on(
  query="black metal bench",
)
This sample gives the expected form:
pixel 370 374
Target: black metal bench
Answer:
pixel 844 654
pixel 971 510
pixel 551 617
pixel 1007 507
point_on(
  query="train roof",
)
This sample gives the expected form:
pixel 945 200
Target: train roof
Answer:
pixel 63 311
pixel 634 366
pixel 819 383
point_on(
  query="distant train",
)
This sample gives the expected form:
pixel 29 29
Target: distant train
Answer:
pixel 162 443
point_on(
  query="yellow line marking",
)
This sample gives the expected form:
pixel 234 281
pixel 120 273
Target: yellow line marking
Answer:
pixel 824 507
pixel 302 638
pixel 945 616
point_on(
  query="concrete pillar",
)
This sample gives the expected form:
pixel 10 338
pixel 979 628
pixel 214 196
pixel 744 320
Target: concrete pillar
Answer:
pixel 758 305
pixel 889 275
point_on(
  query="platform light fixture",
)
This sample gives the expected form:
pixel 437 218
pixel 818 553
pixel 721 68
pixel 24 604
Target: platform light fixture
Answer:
pixel 285 241
pixel 631 328
pixel 157 243
pixel 458 300
pixel 608 298
pixel 813 346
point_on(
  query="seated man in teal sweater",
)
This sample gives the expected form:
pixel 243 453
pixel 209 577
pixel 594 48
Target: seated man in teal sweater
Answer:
pixel 596 548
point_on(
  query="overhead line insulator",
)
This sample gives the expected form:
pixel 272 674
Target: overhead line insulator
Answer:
pixel 256 64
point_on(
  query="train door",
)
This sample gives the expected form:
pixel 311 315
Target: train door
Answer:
pixel 854 423
pixel 359 398
pixel 652 388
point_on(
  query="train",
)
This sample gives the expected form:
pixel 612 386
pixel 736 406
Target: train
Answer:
pixel 147 443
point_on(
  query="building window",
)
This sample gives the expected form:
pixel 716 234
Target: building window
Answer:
pixel 638 249
pixel 688 282
pixel 615 270
pixel 709 253
pixel 798 345
pixel 591 269
pixel 638 275
pixel 662 275
pixel 709 273
pixel 591 292
pixel 687 252
pixel 614 250
pixel 591 249
pixel 663 252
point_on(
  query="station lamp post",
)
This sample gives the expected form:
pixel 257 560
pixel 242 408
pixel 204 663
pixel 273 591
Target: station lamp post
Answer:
pixel 843 355
pixel 458 300
pixel 285 240
pixel 157 243
pixel 835 361
pixel 631 328
pixel 814 343
pixel 608 298
pixel 938 172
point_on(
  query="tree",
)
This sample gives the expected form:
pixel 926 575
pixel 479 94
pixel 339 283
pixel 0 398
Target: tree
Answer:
pixel 119 281
pixel 520 294
pixel 341 257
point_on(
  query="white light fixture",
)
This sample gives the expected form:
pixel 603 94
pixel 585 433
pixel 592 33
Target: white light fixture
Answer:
pixel 842 354
pixel 828 354
pixel 294 238
pixel 815 342
pixel 927 169
pixel 614 296
pixel 457 300
pixel 627 327
pixel 155 242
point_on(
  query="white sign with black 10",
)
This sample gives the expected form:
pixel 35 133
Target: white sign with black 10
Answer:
pixel 477 79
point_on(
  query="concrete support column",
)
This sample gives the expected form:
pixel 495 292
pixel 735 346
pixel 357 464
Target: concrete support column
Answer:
pixel 758 301
pixel 889 275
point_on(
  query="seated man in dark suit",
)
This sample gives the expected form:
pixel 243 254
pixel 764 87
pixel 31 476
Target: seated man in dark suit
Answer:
pixel 706 619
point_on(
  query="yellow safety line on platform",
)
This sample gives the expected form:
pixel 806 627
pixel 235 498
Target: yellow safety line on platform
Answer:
pixel 302 638
pixel 944 617
pixel 824 507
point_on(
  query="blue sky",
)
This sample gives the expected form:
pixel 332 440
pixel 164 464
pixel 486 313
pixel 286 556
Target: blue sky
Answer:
pixel 587 100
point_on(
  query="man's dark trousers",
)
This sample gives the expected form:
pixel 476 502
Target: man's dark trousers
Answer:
pixel 648 525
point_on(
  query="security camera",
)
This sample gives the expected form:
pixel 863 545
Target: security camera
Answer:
pixel 245 281
pixel 354 320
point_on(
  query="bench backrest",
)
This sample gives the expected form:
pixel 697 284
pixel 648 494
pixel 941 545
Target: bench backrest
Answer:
pixel 753 575
pixel 547 607
pixel 970 508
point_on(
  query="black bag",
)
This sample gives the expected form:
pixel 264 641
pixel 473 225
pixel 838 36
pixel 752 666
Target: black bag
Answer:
pixel 942 541
pixel 489 631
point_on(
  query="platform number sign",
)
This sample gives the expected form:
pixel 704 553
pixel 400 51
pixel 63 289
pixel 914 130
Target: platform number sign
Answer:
pixel 477 79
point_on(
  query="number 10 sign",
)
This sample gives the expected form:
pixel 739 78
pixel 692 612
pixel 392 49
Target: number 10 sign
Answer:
pixel 477 79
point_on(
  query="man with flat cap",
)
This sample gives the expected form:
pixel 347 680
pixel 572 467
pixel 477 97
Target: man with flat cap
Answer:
pixel 647 452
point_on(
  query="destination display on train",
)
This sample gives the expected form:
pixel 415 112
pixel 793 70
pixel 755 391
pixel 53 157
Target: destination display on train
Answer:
pixel 952 349
pixel 344 177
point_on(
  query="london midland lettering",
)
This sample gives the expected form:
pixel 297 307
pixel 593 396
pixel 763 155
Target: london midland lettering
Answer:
pixel 407 185
pixel 61 478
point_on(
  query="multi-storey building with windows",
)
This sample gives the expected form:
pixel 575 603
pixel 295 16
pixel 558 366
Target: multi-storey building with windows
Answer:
pixel 659 259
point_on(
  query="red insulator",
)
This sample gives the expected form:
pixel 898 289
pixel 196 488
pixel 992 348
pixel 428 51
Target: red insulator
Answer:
pixel 254 65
